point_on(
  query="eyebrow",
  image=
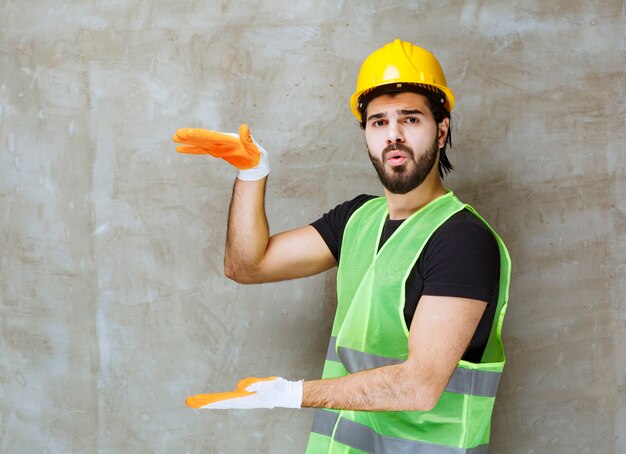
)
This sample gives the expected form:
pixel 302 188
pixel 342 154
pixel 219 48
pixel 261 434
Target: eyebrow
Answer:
pixel 376 116
pixel 411 112
pixel 401 112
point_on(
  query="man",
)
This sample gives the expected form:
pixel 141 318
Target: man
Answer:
pixel 415 354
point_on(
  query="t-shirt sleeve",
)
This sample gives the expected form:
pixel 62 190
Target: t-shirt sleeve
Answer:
pixel 332 224
pixel 462 260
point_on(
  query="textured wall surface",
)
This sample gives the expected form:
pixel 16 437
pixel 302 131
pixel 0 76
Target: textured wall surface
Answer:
pixel 113 303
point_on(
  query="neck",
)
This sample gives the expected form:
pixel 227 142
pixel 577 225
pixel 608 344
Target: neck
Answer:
pixel 401 206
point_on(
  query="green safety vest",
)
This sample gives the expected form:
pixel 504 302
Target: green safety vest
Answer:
pixel 370 331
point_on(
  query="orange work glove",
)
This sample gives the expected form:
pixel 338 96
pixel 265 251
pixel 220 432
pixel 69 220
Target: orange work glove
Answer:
pixel 251 393
pixel 241 150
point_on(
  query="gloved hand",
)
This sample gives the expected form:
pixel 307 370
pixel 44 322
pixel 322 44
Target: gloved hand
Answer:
pixel 253 392
pixel 242 151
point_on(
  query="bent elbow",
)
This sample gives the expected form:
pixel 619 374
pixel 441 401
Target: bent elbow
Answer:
pixel 429 401
pixel 231 273
pixel 235 274
pixel 425 398
pixel 240 275
pixel 232 269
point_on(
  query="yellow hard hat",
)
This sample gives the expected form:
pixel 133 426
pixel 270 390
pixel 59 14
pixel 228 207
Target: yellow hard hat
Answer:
pixel 400 63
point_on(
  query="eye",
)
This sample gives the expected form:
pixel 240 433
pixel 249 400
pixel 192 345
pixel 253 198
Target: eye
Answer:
pixel 378 123
pixel 412 120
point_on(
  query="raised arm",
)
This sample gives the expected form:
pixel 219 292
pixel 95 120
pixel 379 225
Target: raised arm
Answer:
pixel 252 256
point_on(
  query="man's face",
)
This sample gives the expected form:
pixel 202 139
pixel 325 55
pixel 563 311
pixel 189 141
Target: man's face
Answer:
pixel 403 140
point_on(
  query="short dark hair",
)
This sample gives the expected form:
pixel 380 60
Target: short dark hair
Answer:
pixel 436 101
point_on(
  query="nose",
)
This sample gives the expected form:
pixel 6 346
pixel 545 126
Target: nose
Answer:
pixel 394 133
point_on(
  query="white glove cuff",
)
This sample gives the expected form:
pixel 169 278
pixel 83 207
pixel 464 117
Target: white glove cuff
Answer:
pixel 293 395
pixel 258 172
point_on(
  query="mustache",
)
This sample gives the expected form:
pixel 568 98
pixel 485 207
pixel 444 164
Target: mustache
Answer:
pixel 397 147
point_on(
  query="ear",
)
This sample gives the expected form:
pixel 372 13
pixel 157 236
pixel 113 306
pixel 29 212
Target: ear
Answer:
pixel 442 132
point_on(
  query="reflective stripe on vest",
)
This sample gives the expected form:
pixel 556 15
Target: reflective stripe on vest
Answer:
pixel 464 381
pixel 366 439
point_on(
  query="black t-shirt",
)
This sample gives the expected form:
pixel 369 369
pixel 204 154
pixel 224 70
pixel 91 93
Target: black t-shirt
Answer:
pixel 461 259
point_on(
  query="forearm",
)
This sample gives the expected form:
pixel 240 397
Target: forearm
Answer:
pixel 389 388
pixel 248 232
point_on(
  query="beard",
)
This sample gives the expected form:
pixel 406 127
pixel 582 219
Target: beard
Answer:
pixel 408 176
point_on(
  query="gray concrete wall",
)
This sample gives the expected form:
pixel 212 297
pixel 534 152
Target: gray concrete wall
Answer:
pixel 113 303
